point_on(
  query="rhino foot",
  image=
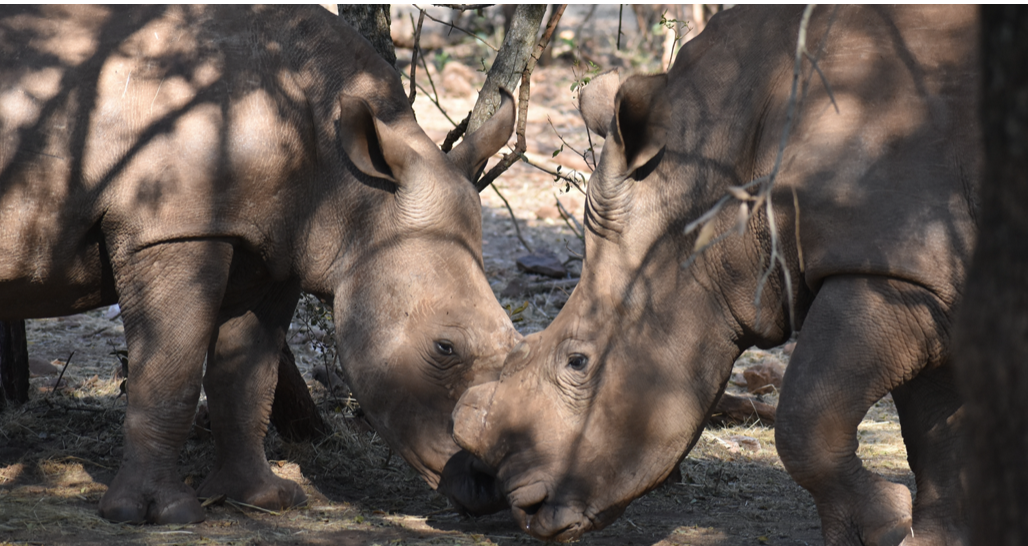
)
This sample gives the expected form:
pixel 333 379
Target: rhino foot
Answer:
pixel 879 517
pixel 261 489
pixel 170 504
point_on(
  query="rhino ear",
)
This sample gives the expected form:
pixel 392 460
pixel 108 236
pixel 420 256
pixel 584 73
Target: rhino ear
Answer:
pixel 471 155
pixel 596 101
pixel 360 135
pixel 641 119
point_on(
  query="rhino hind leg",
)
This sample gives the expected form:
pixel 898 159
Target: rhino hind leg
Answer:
pixel 170 294
pixel 933 431
pixel 863 337
pixel 242 372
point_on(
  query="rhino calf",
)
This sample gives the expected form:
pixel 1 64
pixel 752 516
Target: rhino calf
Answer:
pixel 203 165
pixel 599 407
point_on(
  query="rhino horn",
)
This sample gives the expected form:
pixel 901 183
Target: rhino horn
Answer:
pixel 471 154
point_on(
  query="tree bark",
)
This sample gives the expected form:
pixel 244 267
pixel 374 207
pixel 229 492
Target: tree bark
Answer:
pixel 372 21
pixel 293 412
pixel 991 336
pixel 14 363
pixel 510 62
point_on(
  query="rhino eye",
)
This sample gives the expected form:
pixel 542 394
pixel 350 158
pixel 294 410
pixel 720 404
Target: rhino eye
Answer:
pixel 444 348
pixel 578 362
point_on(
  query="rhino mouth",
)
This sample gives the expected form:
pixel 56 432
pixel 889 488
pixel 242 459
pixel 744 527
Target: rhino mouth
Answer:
pixel 547 520
pixel 471 485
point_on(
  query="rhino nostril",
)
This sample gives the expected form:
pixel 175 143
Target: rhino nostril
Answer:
pixel 533 509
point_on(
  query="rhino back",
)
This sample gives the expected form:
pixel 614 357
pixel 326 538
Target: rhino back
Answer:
pixel 127 127
pixel 886 183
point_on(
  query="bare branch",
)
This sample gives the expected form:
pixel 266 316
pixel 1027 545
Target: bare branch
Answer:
pixel 464 7
pixel 824 81
pixel 513 218
pixel 621 12
pixel 763 196
pixel 523 97
pixel 577 229
pixel 452 27
pixel 433 99
pixel 414 54
pixel 455 133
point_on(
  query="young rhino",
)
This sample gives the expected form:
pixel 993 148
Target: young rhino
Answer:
pixel 203 165
pixel 874 217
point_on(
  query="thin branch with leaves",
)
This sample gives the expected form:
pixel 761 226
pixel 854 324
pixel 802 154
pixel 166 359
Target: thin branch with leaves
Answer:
pixel 571 176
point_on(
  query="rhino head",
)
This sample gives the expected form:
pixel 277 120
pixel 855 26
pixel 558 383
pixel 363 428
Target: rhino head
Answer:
pixel 600 407
pixel 416 320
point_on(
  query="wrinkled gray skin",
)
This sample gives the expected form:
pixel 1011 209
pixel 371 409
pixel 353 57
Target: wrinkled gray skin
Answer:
pixel 203 165
pixel 599 408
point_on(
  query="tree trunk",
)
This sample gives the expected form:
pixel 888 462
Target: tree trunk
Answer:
pixel 510 62
pixel 991 336
pixel 14 363
pixel 293 412
pixel 372 21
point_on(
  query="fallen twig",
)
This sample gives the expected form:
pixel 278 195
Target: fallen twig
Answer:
pixel 61 376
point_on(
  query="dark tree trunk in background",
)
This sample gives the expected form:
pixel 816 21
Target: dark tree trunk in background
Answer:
pixel 14 363
pixel 991 337
pixel 293 412
pixel 372 21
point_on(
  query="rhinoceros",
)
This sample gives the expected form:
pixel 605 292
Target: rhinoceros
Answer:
pixel 873 217
pixel 202 166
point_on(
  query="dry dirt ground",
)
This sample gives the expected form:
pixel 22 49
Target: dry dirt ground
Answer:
pixel 58 452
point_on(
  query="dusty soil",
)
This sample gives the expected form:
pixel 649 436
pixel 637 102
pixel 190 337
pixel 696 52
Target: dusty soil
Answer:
pixel 58 452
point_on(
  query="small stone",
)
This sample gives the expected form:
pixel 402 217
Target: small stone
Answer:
pixel 39 367
pixel 542 264
pixel 515 288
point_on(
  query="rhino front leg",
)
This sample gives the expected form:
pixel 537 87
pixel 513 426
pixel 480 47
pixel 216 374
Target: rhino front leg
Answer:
pixel 242 371
pixel 862 337
pixel 170 295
